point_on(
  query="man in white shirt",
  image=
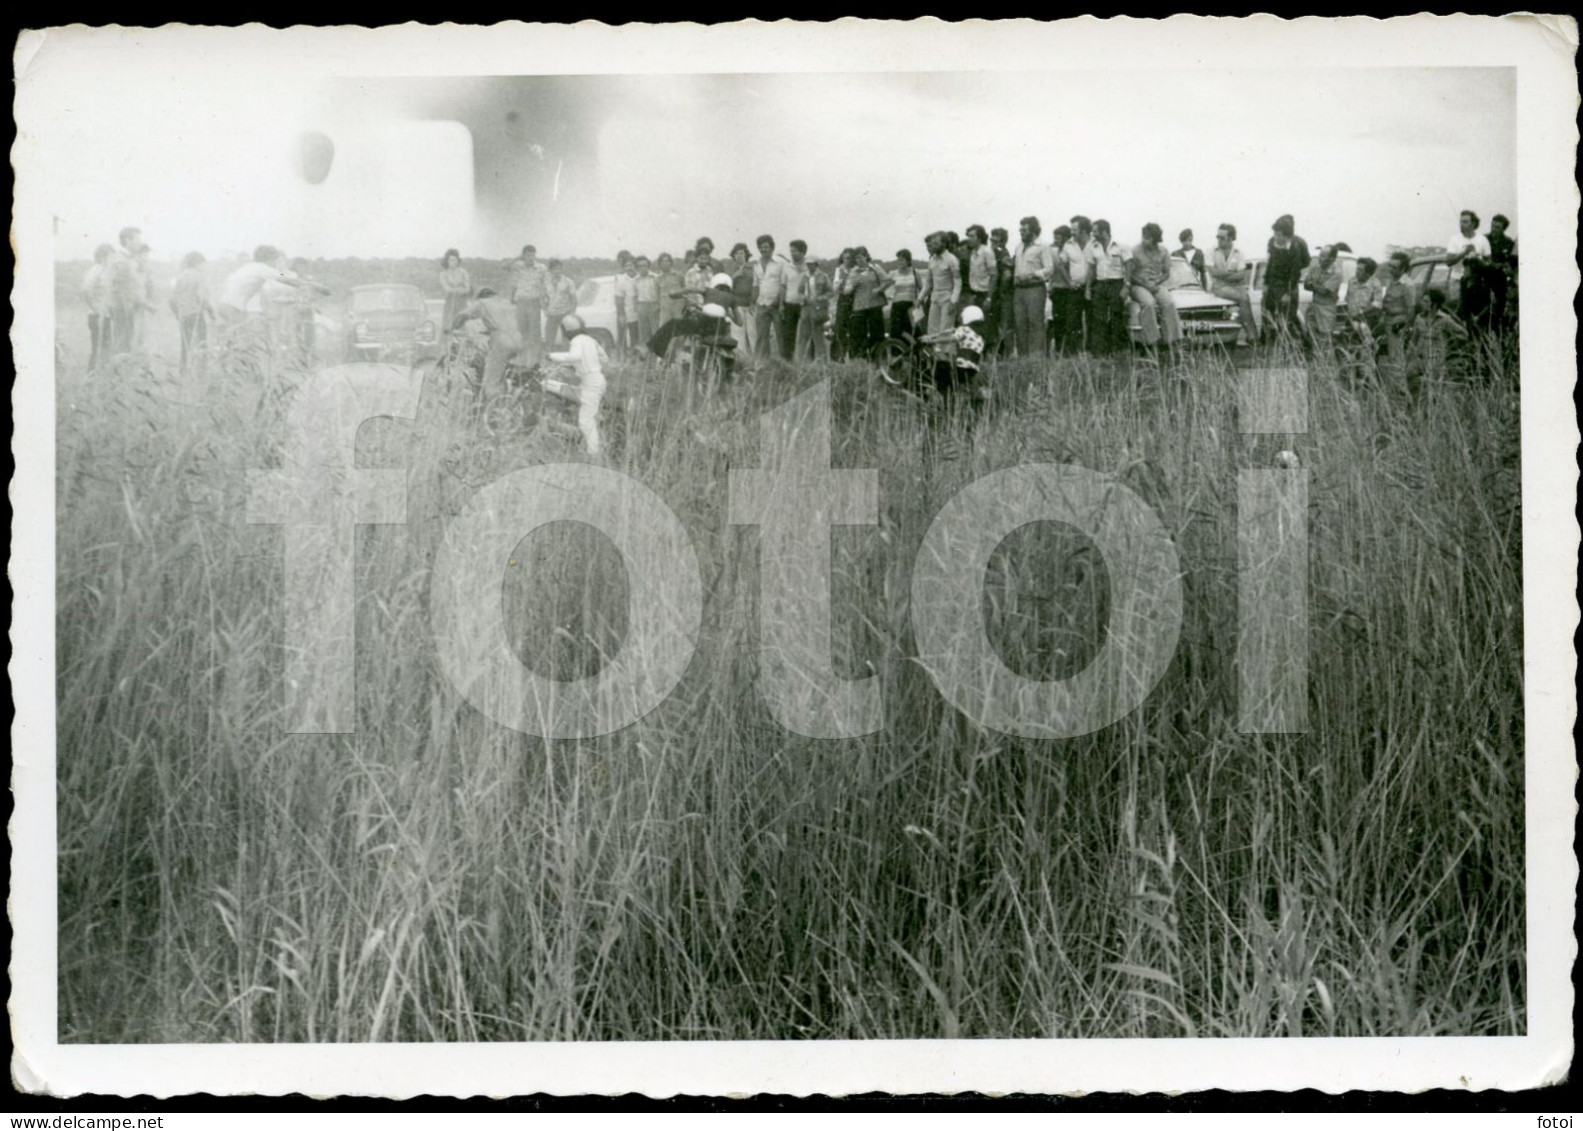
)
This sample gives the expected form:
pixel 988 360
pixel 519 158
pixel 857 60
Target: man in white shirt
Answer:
pixel 1228 278
pixel 626 289
pixel 1034 266
pixel 242 293
pixel 1468 243
pixel 769 286
pixel 582 353
pixel 1468 252
pixel 1071 286
pixel 1107 308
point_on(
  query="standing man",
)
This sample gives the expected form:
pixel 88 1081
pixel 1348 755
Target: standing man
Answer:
pixel 560 300
pixel 942 283
pixel 500 318
pixel 96 296
pixel 1108 331
pixel 1033 267
pixel 1077 254
pixel 529 287
pixel 812 345
pixel 625 312
pixel 1503 264
pixel 128 290
pixel 647 289
pixel 696 276
pixel 1228 278
pixel 980 288
pixel 1287 259
pixel 1149 274
pixel 1060 290
pixel 626 295
pixel 997 321
pixel 796 297
pixel 1324 280
pixel 1398 306
pixel 1468 252
pixel 1194 257
pixel 769 290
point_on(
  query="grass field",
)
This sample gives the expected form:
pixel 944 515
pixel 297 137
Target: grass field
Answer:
pixel 706 874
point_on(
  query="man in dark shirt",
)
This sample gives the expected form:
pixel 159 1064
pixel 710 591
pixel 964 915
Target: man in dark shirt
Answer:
pixel 997 330
pixel 1503 271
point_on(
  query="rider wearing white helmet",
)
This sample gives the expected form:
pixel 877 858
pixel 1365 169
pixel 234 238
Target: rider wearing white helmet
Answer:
pixel 968 338
pixel 586 359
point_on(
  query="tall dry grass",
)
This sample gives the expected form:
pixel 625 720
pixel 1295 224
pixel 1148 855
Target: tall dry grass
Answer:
pixel 704 873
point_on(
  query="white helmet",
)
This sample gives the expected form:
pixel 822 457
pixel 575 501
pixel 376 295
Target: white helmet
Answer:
pixel 972 314
pixel 714 310
pixel 720 280
pixel 571 323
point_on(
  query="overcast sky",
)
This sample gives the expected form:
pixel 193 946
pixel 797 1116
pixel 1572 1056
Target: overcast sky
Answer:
pixel 585 165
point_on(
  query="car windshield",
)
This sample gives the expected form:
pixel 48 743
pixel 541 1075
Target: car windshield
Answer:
pixel 1182 274
pixel 366 300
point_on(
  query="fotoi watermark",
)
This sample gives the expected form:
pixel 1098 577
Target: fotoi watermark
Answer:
pixel 794 498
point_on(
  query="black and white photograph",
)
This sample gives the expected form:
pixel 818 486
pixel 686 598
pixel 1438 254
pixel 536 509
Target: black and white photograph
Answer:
pixel 869 556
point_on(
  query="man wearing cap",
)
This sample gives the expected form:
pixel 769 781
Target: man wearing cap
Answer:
pixel 583 354
pixel 1149 275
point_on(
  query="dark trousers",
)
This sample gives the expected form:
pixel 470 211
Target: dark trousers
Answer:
pixel 841 343
pixel 123 329
pixel 99 337
pixel 900 319
pixel 194 335
pixel 1280 310
pixel 790 316
pixel 1067 308
pixel 1107 317
pixel 867 330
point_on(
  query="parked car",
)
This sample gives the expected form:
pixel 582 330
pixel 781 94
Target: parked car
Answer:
pixel 1206 319
pixel 1259 264
pixel 596 306
pixel 1433 271
pixel 390 321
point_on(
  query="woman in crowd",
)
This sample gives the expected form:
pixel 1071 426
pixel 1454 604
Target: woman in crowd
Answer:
pixel 741 272
pixel 840 331
pixel 454 285
pixel 868 303
pixel 902 287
